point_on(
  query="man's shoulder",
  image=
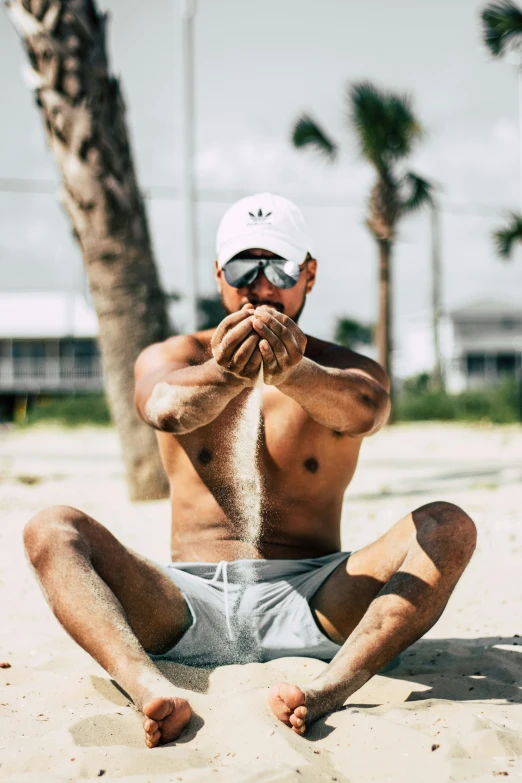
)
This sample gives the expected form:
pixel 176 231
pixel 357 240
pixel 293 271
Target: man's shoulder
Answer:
pixel 342 358
pixel 181 349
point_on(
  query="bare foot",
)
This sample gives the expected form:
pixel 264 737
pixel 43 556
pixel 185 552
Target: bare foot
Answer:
pixel 287 703
pixel 165 719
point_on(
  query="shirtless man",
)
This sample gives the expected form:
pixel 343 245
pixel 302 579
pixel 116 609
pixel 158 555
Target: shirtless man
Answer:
pixel 307 597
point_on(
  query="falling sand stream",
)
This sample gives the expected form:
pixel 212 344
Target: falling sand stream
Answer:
pixel 245 452
pixel 247 488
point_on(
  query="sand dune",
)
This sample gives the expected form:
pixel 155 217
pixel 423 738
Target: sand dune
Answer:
pixel 450 709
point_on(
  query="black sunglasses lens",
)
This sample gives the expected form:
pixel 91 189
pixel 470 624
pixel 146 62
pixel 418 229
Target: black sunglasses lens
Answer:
pixel 283 275
pixel 241 272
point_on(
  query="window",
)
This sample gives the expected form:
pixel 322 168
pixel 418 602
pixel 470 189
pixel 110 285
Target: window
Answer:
pixel 85 349
pixel 78 348
pixel 506 363
pixel 475 363
pixel 28 349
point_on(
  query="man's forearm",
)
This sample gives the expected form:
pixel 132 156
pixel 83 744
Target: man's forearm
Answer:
pixel 348 401
pixel 191 397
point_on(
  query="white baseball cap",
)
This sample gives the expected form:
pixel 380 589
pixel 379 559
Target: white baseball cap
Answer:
pixel 266 221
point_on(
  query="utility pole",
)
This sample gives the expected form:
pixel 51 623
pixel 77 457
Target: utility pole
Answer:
pixel 188 12
pixel 519 79
pixel 436 287
pixel 514 56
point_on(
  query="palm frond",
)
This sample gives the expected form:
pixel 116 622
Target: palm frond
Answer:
pixel 505 238
pixel 417 193
pixel 384 122
pixel 307 132
pixel 501 26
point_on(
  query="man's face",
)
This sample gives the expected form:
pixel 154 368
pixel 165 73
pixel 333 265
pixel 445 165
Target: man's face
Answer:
pixel 289 301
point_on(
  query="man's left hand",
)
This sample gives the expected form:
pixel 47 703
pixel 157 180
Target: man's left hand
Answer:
pixel 282 343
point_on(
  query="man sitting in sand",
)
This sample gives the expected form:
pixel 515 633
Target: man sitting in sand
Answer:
pixel 305 597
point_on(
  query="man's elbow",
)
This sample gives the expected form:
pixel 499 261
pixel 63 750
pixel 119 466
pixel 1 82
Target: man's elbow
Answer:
pixel 379 407
pixel 166 421
pixel 164 412
pixel 373 411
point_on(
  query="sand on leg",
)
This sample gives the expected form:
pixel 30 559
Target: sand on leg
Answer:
pixel 384 598
pixel 117 606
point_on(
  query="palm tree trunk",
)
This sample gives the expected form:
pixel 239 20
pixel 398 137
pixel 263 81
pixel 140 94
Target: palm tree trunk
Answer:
pixel 84 117
pixel 383 337
pixel 436 272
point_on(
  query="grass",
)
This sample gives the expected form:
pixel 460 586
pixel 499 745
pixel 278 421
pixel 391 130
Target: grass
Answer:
pixel 501 404
pixel 69 411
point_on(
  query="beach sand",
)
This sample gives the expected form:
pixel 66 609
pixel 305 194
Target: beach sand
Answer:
pixel 450 710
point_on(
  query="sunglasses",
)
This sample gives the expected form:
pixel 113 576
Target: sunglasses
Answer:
pixel 241 272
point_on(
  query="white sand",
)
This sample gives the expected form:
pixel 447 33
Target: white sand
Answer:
pixel 459 689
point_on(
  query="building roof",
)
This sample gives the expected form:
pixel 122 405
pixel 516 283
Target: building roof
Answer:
pixel 41 315
pixel 487 308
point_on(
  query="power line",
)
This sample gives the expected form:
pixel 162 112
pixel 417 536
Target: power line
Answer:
pixel 46 187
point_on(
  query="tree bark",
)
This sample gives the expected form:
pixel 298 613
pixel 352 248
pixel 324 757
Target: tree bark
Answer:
pixel 384 323
pixel 84 117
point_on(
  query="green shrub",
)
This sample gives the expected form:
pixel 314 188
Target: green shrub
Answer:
pixel 69 411
pixel 499 404
pixel 424 405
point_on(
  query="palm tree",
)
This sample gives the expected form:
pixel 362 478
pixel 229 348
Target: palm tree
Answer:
pixel 386 130
pixel 502 27
pixel 502 33
pixel 84 118
pixel 505 238
pixel 350 333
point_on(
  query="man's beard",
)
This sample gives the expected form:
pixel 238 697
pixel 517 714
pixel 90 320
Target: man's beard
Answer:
pixel 276 305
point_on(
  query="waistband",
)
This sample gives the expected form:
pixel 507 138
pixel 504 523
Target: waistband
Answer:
pixel 258 569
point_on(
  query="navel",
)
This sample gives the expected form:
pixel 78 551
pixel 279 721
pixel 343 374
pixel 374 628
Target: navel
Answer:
pixel 205 456
pixel 311 465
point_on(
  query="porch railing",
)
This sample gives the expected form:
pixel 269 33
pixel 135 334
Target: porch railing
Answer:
pixel 51 375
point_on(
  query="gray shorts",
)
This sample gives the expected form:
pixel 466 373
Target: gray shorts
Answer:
pixel 251 610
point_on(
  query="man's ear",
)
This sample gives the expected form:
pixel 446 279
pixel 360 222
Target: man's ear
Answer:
pixel 219 272
pixel 311 271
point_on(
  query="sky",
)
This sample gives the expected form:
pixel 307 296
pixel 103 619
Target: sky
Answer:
pixel 257 67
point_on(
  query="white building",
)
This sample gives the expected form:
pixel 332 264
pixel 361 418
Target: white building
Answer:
pixel 485 344
pixel 48 343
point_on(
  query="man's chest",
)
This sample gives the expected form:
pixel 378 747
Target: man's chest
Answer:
pixel 291 444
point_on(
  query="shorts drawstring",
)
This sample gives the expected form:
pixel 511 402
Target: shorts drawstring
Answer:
pixel 222 570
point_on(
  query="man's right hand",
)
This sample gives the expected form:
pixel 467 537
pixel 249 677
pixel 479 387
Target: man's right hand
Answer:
pixel 235 346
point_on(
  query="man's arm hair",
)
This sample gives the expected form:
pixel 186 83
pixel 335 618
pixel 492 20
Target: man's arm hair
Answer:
pixel 341 390
pixel 178 388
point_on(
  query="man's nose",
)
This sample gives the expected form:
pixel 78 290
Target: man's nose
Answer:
pixel 261 285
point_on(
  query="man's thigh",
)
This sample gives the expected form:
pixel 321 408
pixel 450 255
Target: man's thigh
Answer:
pixel 341 601
pixel 155 607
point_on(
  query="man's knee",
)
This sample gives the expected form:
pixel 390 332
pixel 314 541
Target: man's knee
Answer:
pixel 49 530
pixel 449 525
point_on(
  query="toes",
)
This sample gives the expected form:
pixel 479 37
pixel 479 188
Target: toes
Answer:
pixel 296 722
pixel 301 712
pixel 284 699
pixel 153 739
pixel 150 726
pixel 292 696
pixel 165 719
